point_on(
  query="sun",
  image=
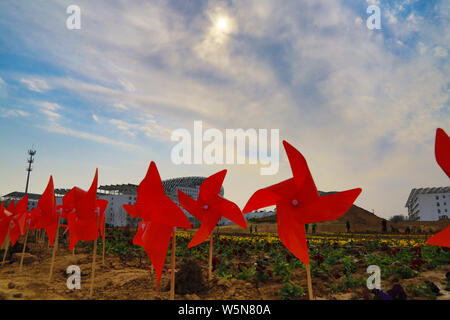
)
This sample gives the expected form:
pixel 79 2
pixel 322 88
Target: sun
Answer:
pixel 222 24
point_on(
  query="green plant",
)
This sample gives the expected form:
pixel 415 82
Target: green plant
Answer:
pixel 404 272
pixel 282 269
pixel 423 290
pixel 290 291
pixel 246 272
pixel 348 264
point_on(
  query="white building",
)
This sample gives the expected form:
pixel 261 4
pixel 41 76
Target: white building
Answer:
pixel 429 204
pixel 118 195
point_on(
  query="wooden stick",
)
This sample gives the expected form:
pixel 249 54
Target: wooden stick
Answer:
pixel 23 250
pixel 104 244
pixel 55 247
pixel 91 289
pixel 308 276
pixel 210 257
pixel 6 249
pixel 172 282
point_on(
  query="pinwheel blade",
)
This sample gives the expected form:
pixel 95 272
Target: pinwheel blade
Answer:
pixel 269 196
pixel 442 150
pixel 291 233
pixel 329 207
pixel 47 206
pixel 208 224
pixel 131 210
pixel 297 162
pixel 211 186
pixel 441 239
pixel 230 211
pixel 156 239
pixel 86 206
pixel 166 212
pixel 190 205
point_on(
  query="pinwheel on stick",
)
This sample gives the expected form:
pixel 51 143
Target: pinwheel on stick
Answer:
pixel 84 213
pixel 442 153
pixel 298 203
pixel 209 208
pixel 160 218
pixel 14 219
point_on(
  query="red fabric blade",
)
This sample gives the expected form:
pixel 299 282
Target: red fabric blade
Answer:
pixel 47 206
pixel 269 196
pixel 297 162
pixel 211 186
pixel 291 233
pixel 230 211
pixel 442 150
pixel 131 210
pixel 86 207
pixel 156 239
pixel 137 240
pixel 441 239
pixel 166 212
pixel 209 222
pixel 190 205
pixel 101 204
pixel 4 223
pixel 329 207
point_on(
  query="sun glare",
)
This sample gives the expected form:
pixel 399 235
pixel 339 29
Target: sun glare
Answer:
pixel 222 24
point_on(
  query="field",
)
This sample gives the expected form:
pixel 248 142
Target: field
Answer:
pixel 253 267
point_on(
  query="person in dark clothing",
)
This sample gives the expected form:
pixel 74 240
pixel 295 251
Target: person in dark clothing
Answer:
pixel 384 226
pixel 347 225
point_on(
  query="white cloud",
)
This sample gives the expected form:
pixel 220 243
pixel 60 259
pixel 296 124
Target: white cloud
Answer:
pixel 127 85
pixel 440 52
pixel 148 126
pixel 120 106
pixel 36 84
pixel 56 128
pixel 361 114
pixel 7 113
pixel 96 119
pixel 49 109
pixel 124 126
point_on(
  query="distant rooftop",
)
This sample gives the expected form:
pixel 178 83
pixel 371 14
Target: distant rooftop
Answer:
pixel 415 192
pixel 170 186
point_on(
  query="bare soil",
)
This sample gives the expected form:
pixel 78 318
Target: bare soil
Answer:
pixel 133 280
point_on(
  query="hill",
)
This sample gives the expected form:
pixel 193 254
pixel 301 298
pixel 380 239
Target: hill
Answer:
pixel 361 221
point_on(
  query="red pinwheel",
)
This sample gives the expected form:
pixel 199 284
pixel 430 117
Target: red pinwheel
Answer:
pixel 159 214
pixel 12 220
pixel 18 220
pixel 442 153
pixel 4 223
pixel 210 207
pixel 298 203
pixel 32 218
pixel 47 216
pixel 81 209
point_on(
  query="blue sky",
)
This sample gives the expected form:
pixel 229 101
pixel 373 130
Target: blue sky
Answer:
pixel 361 105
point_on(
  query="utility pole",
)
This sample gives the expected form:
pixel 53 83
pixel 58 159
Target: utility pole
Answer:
pixel 30 160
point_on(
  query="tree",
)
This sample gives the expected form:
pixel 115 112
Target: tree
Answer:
pixel 397 218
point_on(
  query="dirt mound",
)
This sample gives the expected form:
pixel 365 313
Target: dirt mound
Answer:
pixel 189 279
pixel 361 221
